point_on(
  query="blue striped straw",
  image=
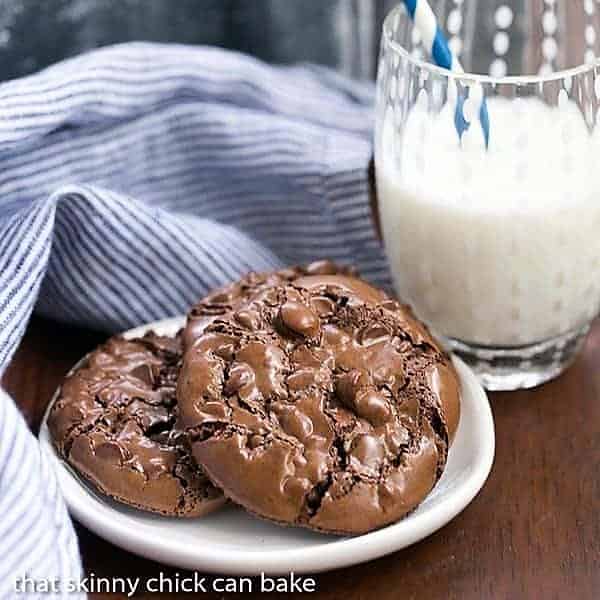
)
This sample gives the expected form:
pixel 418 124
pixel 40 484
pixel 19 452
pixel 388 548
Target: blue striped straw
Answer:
pixel 434 40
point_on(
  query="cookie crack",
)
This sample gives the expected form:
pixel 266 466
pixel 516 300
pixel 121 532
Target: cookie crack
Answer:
pixel 314 498
pixel 71 436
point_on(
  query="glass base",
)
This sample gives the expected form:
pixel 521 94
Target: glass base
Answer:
pixel 520 367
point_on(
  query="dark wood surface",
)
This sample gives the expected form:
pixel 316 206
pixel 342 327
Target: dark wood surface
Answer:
pixel 532 532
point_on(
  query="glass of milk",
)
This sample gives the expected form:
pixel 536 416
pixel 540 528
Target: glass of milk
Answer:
pixel 497 248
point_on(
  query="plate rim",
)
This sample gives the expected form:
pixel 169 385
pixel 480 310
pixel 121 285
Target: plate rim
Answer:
pixel 340 551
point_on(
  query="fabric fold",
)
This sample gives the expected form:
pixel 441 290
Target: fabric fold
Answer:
pixel 37 540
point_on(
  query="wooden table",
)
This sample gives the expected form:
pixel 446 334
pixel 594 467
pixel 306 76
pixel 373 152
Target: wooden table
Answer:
pixel 532 532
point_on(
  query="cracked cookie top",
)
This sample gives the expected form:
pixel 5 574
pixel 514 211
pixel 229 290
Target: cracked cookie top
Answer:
pixel 320 402
pixel 113 421
pixel 230 296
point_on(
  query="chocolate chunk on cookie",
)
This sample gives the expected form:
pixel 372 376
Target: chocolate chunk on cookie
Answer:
pixel 233 295
pixel 320 402
pixel 114 419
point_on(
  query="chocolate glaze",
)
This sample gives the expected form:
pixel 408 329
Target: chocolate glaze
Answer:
pixel 114 423
pixel 319 402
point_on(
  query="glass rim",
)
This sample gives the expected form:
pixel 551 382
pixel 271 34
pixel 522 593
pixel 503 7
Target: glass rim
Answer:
pixel 466 77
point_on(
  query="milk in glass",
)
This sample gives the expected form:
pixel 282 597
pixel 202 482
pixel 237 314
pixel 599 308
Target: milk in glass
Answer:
pixel 497 246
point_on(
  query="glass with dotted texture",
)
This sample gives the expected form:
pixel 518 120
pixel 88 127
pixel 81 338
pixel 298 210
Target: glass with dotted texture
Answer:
pixel 496 246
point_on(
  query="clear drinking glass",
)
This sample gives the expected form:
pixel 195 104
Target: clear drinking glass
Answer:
pixel 497 248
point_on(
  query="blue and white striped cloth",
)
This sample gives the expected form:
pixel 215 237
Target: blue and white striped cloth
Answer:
pixel 134 179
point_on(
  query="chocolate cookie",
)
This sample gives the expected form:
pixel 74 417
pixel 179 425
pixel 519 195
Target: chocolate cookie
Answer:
pixel 234 294
pixel 114 423
pixel 320 403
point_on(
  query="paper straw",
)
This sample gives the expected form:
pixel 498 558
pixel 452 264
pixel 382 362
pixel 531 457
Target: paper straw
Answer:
pixel 436 44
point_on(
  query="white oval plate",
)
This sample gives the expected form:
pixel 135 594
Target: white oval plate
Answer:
pixel 232 542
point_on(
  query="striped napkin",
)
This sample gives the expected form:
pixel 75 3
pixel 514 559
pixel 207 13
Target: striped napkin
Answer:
pixel 134 179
